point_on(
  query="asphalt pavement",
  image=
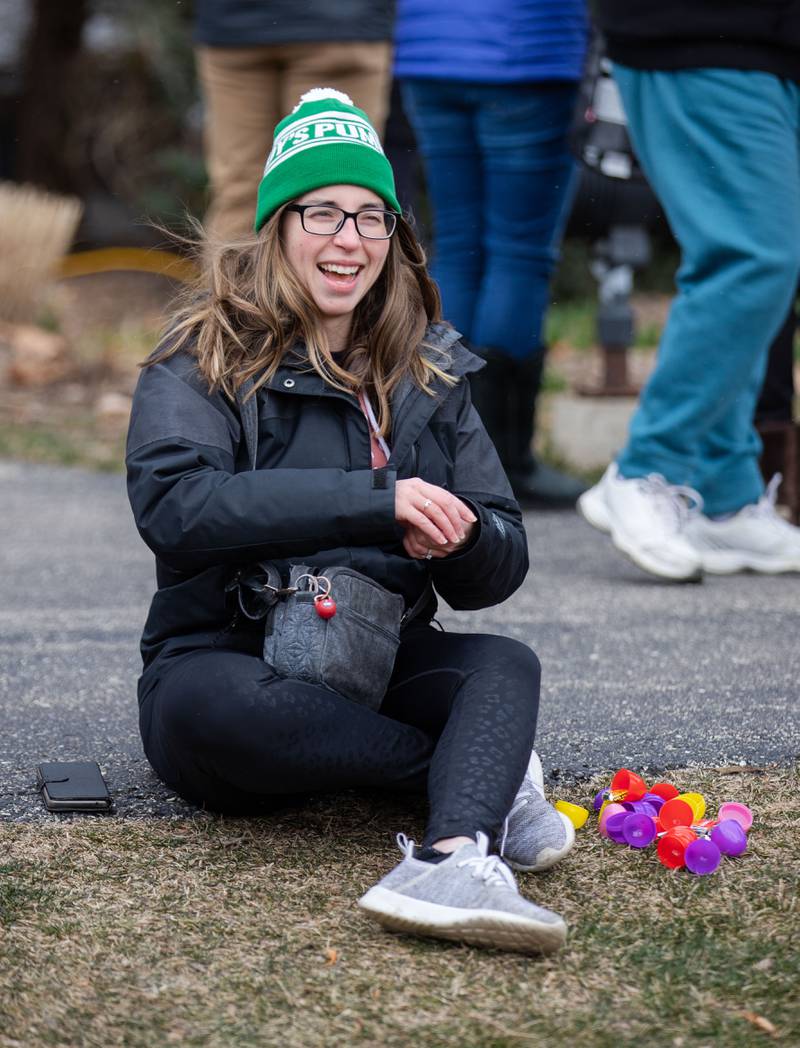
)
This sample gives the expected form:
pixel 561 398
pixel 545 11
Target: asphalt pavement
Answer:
pixel 637 673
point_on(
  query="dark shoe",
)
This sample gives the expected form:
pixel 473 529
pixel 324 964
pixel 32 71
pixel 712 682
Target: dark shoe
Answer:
pixel 504 393
pixel 544 486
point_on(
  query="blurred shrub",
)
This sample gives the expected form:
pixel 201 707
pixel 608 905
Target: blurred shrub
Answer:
pixel 135 123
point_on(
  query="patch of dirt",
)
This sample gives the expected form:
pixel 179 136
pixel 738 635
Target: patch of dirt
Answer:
pixel 104 301
pixel 110 322
pixel 578 367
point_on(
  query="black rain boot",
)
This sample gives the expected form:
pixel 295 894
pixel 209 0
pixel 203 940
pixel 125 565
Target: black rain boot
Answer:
pixel 491 389
pixel 504 393
pixel 535 483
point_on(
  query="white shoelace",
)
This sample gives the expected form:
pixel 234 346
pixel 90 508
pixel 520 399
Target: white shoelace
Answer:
pixel 764 509
pixel 676 503
pixel 489 868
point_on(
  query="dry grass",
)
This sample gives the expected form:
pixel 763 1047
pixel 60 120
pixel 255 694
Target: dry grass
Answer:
pixel 38 228
pixel 66 435
pixel 111 323
pixel 225 932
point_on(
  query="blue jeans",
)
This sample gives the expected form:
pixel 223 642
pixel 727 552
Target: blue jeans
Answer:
pixel 721 149
pixel 499 176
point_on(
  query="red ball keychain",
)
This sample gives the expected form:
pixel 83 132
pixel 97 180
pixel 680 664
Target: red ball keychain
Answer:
pixel 325 604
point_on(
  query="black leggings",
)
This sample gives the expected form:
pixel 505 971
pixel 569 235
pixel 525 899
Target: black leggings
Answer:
pixel 225 732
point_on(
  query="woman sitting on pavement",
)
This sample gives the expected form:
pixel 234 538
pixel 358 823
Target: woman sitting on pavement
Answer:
pixel 323 329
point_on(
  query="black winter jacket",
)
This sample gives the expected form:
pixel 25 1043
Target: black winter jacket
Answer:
pixel 686 34
pixel 313 497
pixel 248 23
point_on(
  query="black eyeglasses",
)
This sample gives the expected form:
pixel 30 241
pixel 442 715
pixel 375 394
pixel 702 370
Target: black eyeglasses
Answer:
pixel 324 220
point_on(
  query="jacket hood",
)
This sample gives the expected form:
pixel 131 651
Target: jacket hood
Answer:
pixel 440 337
pixel 444 338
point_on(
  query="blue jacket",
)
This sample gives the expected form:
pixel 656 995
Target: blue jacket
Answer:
pixel 503 41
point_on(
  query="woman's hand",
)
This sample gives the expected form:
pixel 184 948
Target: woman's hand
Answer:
pixel 436 522
pixel 417 545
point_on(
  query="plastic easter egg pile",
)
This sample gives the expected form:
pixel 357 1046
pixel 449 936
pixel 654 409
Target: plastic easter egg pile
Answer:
pixel 632 814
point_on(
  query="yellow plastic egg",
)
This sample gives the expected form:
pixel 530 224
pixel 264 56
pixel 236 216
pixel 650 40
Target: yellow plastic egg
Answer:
pixel 574 812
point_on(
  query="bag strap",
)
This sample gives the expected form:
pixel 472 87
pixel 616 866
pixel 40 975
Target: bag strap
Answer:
pixel 248 412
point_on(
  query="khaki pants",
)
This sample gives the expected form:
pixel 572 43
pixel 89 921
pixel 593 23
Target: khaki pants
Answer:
pixel 248 90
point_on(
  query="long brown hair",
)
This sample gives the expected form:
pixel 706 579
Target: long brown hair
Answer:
pixel 248 309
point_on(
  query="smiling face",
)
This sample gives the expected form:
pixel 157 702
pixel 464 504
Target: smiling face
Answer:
pixel 337 270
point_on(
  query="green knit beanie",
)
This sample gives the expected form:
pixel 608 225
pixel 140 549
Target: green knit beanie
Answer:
pixel 324 141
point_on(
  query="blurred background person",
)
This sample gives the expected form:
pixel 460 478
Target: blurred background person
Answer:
pixel 255 58
pixel 712 97
pixel 490 90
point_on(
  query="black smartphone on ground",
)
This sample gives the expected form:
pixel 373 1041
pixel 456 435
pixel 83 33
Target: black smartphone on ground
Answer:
pixel 73 786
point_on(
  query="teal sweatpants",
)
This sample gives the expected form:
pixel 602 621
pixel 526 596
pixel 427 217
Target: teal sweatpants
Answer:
pixel 721 149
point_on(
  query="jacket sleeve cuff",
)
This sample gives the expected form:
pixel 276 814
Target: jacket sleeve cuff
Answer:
pixel 477 547
pixel 380 522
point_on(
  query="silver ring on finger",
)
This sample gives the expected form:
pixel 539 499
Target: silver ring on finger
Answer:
pixel 429 554
pixel 426 503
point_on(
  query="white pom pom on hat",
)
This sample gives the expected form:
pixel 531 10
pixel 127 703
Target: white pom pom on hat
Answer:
pixel 317 94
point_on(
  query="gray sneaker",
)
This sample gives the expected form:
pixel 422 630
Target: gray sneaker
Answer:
pixel 535 835
pixel 470 897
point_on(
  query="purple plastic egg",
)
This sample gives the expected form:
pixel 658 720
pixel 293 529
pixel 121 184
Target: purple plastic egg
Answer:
pixel 615 826
pixel 638 829
pixel 599 797
pixel 729 837
pixel 702 856
pixel 646 808
pixel 638 806
pixel 605 815
pixel 655 800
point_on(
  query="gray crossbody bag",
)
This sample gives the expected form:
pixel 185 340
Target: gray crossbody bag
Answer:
pixel 330 626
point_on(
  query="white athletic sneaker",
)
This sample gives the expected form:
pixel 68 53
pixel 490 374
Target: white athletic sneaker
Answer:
pixel 535 835
pixel 592 504
pixel 646 518
pixel 471 897
pixel 756 538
